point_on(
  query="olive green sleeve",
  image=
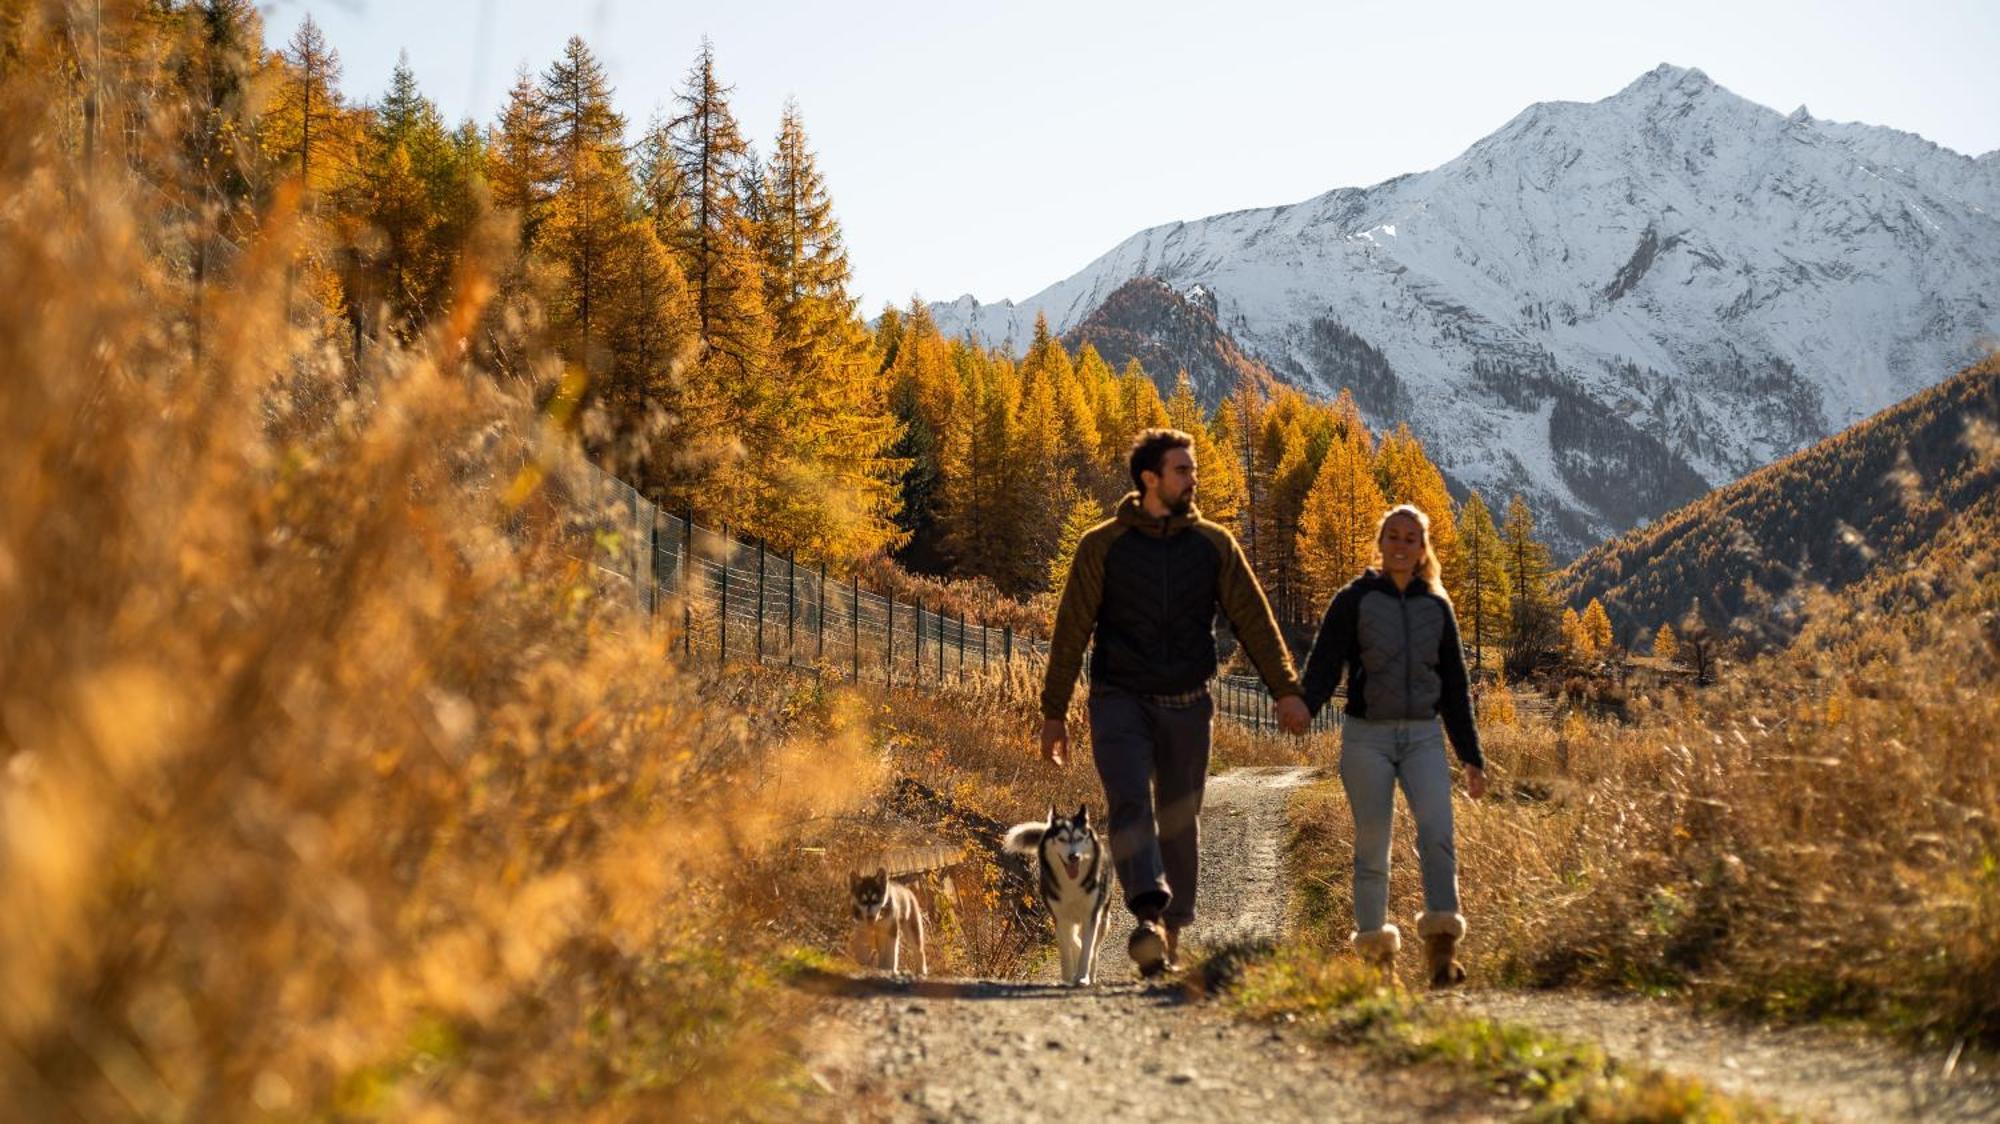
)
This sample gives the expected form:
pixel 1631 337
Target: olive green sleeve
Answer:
pixel 1250 615
pixel 1076 619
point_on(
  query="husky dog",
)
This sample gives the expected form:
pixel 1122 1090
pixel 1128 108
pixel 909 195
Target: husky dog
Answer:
pixel 885 915
pixel 1076 885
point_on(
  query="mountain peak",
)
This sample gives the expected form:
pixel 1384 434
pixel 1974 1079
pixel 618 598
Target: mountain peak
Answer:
pixel 1687 80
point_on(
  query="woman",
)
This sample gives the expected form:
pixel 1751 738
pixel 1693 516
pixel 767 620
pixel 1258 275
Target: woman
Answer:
pixel 1392 634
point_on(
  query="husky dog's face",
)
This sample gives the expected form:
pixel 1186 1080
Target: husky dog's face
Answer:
pixel 1068 843
pixel 870 893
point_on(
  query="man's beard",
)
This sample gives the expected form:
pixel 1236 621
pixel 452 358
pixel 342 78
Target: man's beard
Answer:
pixel 1183 505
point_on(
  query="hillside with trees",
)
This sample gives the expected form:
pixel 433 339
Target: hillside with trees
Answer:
pixel 1863 502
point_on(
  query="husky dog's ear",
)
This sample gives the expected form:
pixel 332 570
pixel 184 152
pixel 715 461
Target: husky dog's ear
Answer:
pixel 1052 821
pixel 882 874
pixel 1083 816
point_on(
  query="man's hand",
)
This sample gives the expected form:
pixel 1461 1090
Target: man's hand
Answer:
pixel 1293 717
pixel 1055 741
pixel 1475 782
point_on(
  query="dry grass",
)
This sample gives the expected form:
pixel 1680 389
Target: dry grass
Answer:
pixel 1344 1003
pixel 1816 836
pixel 330 781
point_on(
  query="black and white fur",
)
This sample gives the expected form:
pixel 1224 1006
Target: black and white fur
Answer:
pixel 1075 882
pixel 886 914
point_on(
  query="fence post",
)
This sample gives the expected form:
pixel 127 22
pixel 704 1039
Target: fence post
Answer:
pixel 722 598
pixel 889 645
pixel 819 642
pixel 760 601
pixel 687 586
pixel 1007 648
pixel 983 631
pixel 791 605
pixel 940 623
pixel 653 563
pixel 854 619
pixel 961 649
pixel 917 633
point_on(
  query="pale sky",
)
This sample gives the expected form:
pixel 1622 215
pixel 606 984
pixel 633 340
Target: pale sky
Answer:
pixel 997 148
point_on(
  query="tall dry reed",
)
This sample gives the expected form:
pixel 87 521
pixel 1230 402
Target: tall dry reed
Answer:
pixel 331 781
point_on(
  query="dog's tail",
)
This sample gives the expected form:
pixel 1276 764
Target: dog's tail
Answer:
pixel 1025 838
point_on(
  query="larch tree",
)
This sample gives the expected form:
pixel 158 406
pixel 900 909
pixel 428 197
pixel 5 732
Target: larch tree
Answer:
pixel 1038 462
pixel 1534 627
pixel 1483 604
pixel 1336 536
pixel 1666 645
pixel 1575 639
pixel 839 430
pixel 716 252
pixel 1408 476
pixel 714 246
pixel 415 198
pixel 1219 491
pixel 520 159
pixel 304 129
pixel 1080 514
pixel 589 209
pixel 1597 627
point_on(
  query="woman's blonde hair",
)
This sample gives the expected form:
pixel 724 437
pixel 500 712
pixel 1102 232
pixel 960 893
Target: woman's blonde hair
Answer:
pixel 1427 566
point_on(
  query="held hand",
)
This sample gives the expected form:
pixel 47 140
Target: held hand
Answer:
pixel 1293 717
pixel 1475 782
pixel 1055 741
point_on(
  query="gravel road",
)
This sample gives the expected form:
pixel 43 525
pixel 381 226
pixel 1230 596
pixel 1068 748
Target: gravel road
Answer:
pixel 986 1050
pixel 982 1050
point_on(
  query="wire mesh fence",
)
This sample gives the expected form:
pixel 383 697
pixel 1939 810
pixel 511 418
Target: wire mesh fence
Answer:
pixel 724 599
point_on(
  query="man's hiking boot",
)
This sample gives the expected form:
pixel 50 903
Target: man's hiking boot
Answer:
pixel 1148 948
pixel 1379 947
pixel 1441 933
pixel 1173 947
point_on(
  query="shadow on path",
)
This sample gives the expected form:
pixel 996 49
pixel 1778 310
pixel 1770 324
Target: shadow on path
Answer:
pixel 819 981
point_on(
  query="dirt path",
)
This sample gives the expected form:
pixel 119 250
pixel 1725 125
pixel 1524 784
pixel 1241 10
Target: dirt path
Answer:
pixel 1005 1051
pixel 1811 1071
pixel 996 1051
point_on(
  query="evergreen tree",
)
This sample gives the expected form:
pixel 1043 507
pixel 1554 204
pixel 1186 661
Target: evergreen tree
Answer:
pixel 925 397
pixel 417 199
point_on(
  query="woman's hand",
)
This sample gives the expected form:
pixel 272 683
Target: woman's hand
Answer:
pixel 1475 782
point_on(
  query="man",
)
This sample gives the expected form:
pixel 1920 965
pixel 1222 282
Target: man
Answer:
pixel 1143 589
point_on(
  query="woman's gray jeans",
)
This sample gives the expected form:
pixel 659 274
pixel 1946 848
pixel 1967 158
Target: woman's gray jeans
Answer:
pixel 1374 755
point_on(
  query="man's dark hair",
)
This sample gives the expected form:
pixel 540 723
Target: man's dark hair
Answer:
pixel 1149 451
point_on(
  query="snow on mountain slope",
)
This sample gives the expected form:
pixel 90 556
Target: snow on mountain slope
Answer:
pixel 1609 306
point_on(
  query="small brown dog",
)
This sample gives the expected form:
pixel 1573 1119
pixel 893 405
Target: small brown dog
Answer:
pixel 886 914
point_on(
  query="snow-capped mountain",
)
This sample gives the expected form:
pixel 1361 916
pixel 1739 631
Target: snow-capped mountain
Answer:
pixel 1608 306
